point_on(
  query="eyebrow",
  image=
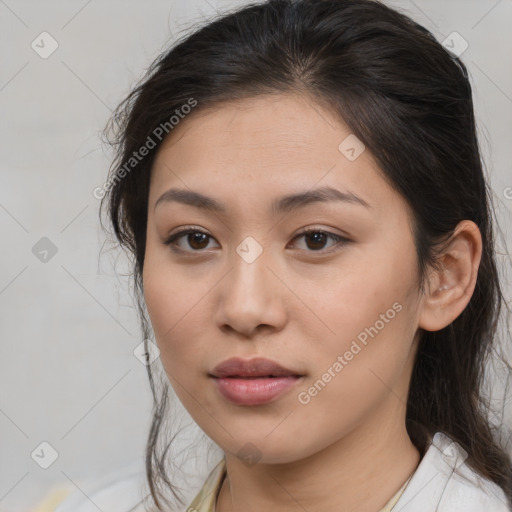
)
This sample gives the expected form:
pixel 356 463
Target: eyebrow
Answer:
pixel 284 204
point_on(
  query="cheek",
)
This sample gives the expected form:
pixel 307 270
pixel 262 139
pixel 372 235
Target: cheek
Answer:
pixel 370 320
pixel 175 308
pixel 159 300
pixel 354 379
pixel 163 292
pixel 355 299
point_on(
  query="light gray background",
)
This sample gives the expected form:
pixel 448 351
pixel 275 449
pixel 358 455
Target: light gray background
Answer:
pixel 68 375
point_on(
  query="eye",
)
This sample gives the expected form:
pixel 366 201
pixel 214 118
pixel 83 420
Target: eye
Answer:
pixel 317 238
pixel 196 239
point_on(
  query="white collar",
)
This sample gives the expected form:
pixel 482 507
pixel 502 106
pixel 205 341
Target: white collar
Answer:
pixel 443 482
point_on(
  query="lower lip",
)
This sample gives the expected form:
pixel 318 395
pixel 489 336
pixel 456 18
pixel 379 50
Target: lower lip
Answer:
pixel 254 391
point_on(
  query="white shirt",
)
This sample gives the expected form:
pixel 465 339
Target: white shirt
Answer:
pixel 442 482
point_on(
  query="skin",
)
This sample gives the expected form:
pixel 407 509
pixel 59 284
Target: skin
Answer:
pixel 296 304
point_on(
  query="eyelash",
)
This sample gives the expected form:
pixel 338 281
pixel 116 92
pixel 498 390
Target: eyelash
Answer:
pixel 340 240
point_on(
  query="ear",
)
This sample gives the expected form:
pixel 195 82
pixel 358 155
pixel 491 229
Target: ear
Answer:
pixel 451 287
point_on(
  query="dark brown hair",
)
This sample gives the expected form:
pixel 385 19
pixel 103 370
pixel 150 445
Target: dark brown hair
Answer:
pixel 410 102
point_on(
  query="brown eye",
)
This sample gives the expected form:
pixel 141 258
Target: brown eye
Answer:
pixel 316 239
pixel 196 240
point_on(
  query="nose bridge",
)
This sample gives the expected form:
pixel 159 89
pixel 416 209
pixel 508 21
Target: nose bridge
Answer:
pixel 249 270
pixel 248 297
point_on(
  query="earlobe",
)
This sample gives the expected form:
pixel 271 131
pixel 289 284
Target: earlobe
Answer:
pixel 451 287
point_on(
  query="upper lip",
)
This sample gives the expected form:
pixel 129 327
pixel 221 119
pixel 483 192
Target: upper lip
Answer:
pixel 257 367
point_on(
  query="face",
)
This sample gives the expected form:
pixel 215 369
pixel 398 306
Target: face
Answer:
pixel 337 306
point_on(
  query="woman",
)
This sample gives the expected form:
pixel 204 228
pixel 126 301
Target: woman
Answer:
pixel 300 185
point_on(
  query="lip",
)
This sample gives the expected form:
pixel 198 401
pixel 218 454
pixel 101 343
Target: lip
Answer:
pixel 254 390
pixel 256 367
pixel 253 382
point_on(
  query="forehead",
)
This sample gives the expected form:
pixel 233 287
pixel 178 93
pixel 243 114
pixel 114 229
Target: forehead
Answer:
pixel 262 145
pixel 281 124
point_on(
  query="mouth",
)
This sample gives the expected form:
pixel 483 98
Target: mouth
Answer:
pixel 254 382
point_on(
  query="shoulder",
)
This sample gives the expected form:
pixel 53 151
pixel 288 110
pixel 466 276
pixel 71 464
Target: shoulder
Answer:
pixel 444 482
pixel 124 494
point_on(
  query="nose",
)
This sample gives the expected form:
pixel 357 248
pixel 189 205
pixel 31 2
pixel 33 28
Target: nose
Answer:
pixel 250 298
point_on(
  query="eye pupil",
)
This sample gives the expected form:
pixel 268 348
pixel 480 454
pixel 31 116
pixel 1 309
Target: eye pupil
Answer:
pixel 197 237
pixel 318 238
